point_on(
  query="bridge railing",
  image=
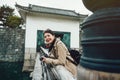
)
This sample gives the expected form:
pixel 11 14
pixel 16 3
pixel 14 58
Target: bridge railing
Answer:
pixel 48 70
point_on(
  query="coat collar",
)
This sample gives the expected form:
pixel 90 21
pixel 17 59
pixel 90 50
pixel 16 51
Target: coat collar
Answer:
pixel 56 41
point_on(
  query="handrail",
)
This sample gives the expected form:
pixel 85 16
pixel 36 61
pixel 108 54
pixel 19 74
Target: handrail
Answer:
pixel 48 70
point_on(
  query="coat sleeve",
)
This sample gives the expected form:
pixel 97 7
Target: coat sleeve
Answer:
pixel 61 52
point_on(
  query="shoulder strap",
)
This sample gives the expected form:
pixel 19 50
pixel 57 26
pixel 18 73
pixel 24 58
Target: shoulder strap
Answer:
pixel 71 61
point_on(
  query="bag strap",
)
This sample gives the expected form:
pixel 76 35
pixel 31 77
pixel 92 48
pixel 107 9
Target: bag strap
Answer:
pixel 69 58
pixel 71 61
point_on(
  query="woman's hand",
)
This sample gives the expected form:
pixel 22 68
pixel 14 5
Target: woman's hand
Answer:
pixel 43 58
pixel 46 59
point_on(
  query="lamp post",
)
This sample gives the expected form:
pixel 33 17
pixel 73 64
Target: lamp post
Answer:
pixel 100 41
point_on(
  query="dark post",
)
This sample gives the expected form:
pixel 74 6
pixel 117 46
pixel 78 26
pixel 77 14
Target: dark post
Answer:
pixel 100 41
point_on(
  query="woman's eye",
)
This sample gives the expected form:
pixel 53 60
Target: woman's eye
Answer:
pixel 48 35
pixel 44 36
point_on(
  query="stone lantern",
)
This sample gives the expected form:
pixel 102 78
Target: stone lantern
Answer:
pixel 100 41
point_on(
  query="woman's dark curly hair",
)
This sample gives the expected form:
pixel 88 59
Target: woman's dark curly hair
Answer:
pixel 48 31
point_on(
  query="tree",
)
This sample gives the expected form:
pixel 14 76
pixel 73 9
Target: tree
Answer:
pixel 13 21
pixel 7 17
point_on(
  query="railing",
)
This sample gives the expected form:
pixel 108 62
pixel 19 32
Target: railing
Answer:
pixel 43 71
pixel 48 70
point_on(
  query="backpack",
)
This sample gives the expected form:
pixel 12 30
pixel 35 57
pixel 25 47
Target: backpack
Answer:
pixel 75 55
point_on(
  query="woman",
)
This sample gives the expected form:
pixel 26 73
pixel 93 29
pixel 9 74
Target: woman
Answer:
pixel 58 53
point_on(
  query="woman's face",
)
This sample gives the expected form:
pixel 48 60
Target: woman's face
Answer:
pixel 49 38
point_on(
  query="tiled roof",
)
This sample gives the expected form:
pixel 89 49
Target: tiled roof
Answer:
pixel 41 9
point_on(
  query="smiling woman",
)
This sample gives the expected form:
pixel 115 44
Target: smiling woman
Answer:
pixel 57 56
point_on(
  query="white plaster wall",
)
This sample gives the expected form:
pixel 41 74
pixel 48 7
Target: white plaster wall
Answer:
pixel 42 22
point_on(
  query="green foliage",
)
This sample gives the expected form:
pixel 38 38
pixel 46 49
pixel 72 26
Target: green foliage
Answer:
pixel 8 18
pixel 13 21
pixel 6 10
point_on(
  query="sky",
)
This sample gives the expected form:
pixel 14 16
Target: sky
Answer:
pixel 75 5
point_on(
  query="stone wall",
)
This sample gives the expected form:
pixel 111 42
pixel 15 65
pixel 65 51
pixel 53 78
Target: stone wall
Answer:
pixel 12 45
pixel 12 55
